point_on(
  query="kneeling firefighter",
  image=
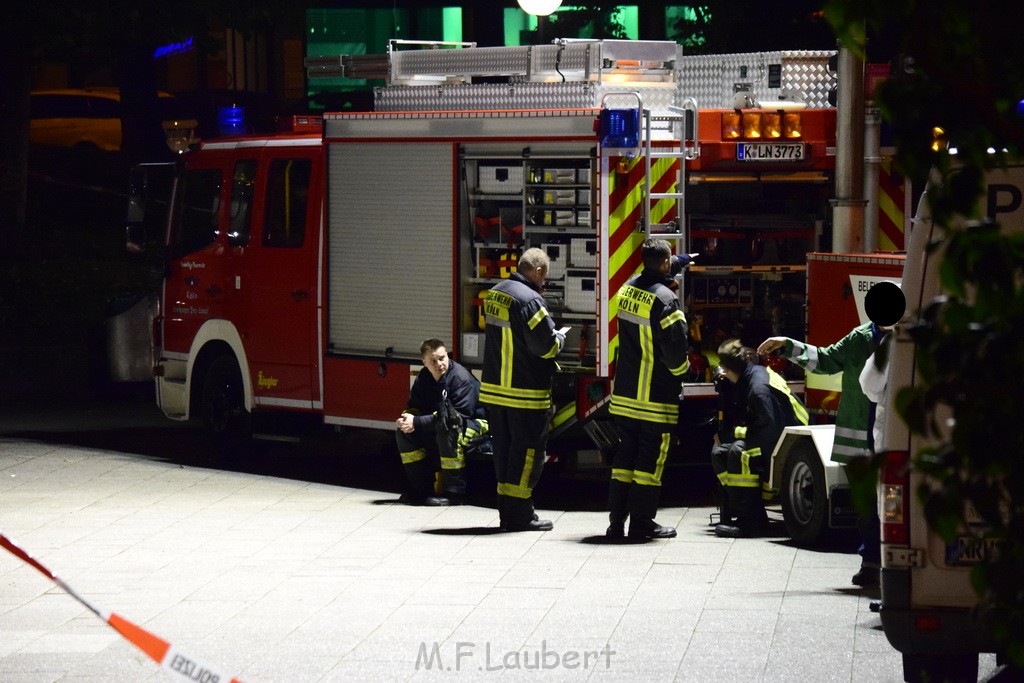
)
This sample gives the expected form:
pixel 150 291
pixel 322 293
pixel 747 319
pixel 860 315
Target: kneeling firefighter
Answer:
pixel 441 419
pixel 762 406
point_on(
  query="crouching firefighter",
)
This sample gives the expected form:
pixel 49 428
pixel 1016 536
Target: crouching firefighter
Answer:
pixel 442 417
pixel 762 406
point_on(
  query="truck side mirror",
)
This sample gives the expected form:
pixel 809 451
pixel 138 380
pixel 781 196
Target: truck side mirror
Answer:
pixel 149 192
pixel 135 227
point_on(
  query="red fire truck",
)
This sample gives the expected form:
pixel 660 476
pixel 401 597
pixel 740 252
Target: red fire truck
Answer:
pixel 304 268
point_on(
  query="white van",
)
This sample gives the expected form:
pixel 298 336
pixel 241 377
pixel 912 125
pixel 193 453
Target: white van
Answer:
pixel 927 598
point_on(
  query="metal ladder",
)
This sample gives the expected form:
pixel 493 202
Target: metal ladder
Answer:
pixel 683 122
pixel 673 230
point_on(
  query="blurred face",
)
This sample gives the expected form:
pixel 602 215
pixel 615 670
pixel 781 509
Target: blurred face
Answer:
pixel 436 362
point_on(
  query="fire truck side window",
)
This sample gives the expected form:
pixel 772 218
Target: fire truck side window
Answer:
pixel 242 186
pixel 284 222
pixel 198 201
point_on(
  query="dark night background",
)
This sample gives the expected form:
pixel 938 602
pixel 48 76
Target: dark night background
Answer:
pixel 63 267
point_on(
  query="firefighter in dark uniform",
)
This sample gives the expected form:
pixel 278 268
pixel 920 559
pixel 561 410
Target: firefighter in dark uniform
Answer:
pixel 441 418
pixel 763 405
pixel 652 359
pixel 520 345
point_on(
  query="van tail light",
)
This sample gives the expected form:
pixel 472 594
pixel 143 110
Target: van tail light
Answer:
pixel 894 498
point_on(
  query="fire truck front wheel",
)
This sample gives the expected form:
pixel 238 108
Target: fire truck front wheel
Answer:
pixel 223 405
pixel 804 498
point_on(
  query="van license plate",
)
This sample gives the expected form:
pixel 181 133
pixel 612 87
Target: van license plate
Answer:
pixel 763 151
pixel 966 551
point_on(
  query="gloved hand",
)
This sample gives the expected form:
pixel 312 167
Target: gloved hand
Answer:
pixel 448 418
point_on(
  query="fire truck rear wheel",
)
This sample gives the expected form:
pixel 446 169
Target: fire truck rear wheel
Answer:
pixel 223 405
pixel 804 498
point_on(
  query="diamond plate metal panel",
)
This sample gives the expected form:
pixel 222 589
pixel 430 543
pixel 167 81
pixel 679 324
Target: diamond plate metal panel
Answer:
pixel 519 96
pixel 710 79
pixel 641 50
pixel 571 60
pixel 657 99
pixel 481 61
pixel 807 72
pixel 485 96
pixel 580 61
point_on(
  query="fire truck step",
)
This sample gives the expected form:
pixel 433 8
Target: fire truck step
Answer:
pixel 284 438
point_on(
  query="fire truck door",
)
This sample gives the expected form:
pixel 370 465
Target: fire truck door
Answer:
pixel 280 276
pixel 196 281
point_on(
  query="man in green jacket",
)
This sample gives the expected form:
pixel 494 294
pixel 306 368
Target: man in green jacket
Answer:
pixel 856 412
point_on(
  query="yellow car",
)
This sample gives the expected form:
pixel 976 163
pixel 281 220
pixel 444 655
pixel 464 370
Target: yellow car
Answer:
pixel 90 118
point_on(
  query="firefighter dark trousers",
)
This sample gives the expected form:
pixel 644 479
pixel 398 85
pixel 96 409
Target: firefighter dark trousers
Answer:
pixel 740 470
pixel 425 451
pixel 518 438
pixel 637 468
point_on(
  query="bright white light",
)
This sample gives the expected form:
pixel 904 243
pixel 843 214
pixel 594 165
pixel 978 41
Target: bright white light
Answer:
pixel 539 8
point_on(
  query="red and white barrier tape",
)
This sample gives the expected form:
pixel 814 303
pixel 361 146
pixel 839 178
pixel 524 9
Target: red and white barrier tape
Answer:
pixel 159 650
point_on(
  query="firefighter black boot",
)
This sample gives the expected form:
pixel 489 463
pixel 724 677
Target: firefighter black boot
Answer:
pixel 643 505
pixel 751 519
pixel 618 506
pixel 454 481
pixel 725 513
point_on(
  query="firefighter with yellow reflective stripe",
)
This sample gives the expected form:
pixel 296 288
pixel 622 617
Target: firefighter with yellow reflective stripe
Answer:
pixel 440 419
pixel 652 359
pixel 520 346
pixel 762 406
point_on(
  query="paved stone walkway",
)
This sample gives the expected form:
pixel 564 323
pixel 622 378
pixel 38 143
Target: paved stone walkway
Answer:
pixel 272 579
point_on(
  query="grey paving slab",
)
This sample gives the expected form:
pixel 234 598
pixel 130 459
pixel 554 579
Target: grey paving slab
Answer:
pixel 282 580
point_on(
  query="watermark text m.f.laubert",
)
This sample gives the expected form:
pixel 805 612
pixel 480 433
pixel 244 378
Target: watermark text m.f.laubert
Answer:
pixel 465 655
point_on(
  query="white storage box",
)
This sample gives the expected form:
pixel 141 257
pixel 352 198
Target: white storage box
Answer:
pixel 565 218
pixel 558 253
pixel 472 350
pixel 558 197
pixel 559 176
pixel 580 291
pixel 500 179
pixel 583 253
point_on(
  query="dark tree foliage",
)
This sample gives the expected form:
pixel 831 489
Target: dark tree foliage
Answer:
pixel 960 67
pixel 587 20
pixel 727 26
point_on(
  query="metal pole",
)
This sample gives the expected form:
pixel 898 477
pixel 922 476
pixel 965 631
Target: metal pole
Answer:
pixel 848 205
pixel 872 163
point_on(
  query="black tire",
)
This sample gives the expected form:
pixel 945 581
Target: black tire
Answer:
pixel 222 406
pixel 804 495
pixel 940 668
